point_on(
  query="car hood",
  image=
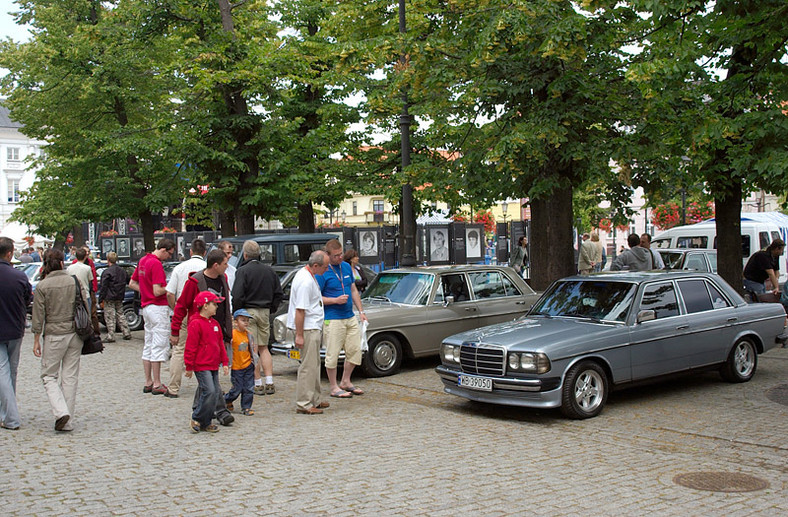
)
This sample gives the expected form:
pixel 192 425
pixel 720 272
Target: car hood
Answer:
pixel 551 335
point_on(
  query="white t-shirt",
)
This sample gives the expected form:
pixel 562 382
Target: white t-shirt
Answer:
pixel 84 274
pixel 181 273
pixel 305 294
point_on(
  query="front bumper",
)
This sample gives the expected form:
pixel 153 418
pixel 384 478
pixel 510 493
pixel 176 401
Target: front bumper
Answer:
pixel 507 391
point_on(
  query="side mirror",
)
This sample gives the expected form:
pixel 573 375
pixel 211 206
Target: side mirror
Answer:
pixel 448 301
pixel 646 315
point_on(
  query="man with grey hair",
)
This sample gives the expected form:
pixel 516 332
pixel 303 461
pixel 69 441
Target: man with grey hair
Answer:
pixel 305 320
pixel 258 290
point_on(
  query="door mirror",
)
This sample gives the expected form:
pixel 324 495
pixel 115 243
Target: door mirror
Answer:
pixel 448 301
pixel 646 315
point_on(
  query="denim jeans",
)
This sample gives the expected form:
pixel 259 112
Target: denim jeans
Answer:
pixel 9 361
pixel 208 390
pixel 243 385
pixel 755 287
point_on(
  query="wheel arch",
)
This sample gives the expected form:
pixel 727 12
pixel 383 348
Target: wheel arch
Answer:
pixel 601 361
pixel 756 339
pixel 407 351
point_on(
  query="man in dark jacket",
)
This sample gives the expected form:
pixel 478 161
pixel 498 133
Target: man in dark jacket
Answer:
pixel 113 289
pixel 15 296
pixel 258 290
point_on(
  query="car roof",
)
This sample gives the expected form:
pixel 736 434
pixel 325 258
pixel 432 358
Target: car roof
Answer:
pixel 456 268
pixel 685 250
pixel 643 276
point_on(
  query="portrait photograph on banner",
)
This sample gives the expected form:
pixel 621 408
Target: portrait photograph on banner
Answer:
pixel 473 243
pixel 124 247
pixel 138 250
pixel 107 245
pixel 438 239
pixel 368 243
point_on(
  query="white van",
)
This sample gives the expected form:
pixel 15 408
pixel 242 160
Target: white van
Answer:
pixel 757 232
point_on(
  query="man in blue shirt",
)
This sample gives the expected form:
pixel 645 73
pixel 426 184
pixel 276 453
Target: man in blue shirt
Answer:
pixel 341 326
pixel 15 295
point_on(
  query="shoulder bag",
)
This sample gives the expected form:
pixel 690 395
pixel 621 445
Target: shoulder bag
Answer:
pixel 82 323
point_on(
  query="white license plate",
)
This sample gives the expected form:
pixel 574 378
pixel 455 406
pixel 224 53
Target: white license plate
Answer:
pixel 475 383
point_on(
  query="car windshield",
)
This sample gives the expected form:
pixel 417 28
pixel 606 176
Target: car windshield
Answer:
pixel 594 299
pixel 408 288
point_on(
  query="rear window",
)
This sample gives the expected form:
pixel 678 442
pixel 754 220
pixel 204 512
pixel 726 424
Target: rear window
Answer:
pixel 696 297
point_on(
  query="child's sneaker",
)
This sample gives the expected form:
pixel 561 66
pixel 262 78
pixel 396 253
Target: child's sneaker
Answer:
pixel 259 390
pixel 211 428
pixel 248 411
pixel 195 425
pixel 269 389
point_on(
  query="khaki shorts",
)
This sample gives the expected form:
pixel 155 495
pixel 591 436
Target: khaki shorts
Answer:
pixel 259 326
pixel 339 334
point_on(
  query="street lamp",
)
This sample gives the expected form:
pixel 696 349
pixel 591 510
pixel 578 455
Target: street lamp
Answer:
pixel 504 209
pixel 344 216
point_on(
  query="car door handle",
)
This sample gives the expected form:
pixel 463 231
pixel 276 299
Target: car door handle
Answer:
pixel 521 302
pixel 682 327
pixel 470 309
pixel 731 320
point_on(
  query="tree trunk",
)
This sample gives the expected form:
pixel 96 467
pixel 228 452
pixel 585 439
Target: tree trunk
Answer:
pixel 79 236
pixel 552 254
pixel 244 223
pixel 146 221
pixel 227 223
pixel 727 202
pixel 306 218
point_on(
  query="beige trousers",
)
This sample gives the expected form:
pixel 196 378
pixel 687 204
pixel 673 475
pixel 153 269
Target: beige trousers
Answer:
pixel 60 371
pixel 308 380
pixel 176 363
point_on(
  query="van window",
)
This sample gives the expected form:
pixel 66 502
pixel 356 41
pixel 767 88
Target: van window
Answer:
pixel 764 239
pixel 745 245
pixel 775 236
pixel 657 243
pixel 692 242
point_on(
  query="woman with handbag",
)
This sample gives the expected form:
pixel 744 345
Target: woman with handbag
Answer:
pixel 519 259
pixel 53 315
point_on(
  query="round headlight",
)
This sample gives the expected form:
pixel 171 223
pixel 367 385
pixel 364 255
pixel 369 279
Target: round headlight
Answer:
pixel 514 361
pixel 456 353
pixel 528 362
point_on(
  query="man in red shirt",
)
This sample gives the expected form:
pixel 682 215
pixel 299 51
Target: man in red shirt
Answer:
pixel 149 279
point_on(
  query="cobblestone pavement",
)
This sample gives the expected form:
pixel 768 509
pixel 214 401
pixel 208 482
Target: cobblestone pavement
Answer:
pixel 404 447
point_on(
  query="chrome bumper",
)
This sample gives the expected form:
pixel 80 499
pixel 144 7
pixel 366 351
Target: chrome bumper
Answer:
pixel 284 349
pixel 507 391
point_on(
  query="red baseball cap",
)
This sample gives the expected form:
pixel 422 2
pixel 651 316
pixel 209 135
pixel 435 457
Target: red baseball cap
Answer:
pixel 204 297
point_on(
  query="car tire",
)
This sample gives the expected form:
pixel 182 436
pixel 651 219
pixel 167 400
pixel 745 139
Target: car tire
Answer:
pixel 741 363
pixel 133 317
pixel 585 391
pixel 383 357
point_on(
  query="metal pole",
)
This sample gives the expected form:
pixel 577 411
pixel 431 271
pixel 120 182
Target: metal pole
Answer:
pixel 408 221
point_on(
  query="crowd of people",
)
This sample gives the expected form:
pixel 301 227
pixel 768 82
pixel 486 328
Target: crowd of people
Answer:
pixel 210 316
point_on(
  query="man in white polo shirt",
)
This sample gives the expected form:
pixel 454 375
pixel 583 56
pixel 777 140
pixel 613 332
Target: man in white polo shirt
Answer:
pixel 174 288
pixel 305 319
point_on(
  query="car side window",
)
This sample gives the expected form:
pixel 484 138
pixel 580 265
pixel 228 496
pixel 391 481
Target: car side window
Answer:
pixel 661 298
pixel 454 285
pixel 712 261
pixel 696 297
pixel 511 289
pixel 487 284
pixel 696 261
pixel 718 301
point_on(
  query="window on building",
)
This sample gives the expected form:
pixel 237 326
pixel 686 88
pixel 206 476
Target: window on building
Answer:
pixel 12 153
pixel 13 190
pixel 355 207
pixel 377 205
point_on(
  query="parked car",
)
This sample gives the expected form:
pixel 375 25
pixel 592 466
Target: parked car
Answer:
pixel 589 334
pixel 280 248
pixel 131 299
pixel 33 272
pixel 690 259
pixel 411 310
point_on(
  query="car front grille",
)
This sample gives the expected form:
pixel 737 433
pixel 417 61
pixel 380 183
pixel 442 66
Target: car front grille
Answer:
pixel 482 359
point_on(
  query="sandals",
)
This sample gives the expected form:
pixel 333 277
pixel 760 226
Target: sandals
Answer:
pixel 342 394
pixel 354 390
pixel 247 411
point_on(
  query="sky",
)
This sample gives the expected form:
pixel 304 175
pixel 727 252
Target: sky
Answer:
pixel 7 26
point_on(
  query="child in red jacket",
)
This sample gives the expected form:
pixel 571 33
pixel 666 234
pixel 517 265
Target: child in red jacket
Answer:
pixel 203 354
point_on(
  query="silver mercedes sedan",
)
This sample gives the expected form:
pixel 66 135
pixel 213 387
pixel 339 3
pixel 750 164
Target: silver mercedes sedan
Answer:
pixel 589 334
pixel 410 310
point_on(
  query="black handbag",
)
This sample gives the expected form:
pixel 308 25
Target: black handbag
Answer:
pixel 82 324
pixel 92 344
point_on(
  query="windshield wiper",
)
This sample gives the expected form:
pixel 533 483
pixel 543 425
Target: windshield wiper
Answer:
pixel 380 298
pixel 537 313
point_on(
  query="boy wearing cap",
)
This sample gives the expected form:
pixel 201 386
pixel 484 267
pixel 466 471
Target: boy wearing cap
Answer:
pixel 203 354
pixel 243 364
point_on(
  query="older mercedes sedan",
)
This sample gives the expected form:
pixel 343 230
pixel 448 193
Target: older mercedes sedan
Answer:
pixel 411 310
pixel 589 334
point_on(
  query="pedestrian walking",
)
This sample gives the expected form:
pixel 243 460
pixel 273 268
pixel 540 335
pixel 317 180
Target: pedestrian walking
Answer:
pixel 342 330
pixel 149 279
pixel 519 259
pixel 114 280
pixel 203 355
pixel 15 296
pixel 305 320
pixel 53 316
pixel 180 274
pixel 242 370
pixel 258 290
